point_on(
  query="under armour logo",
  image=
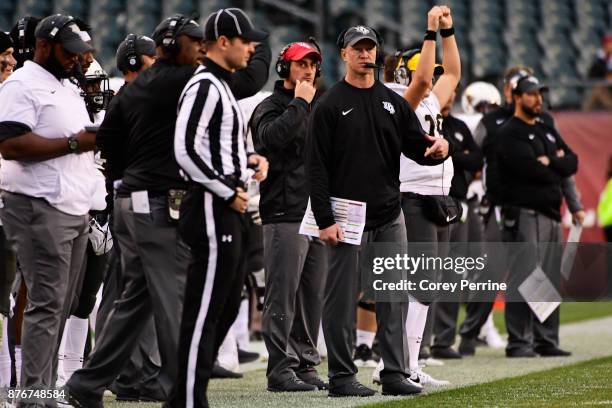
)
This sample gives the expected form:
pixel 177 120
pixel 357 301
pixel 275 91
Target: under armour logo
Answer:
pixel 362 29
pixel 551 137
pixel 226 238
pixel 388 107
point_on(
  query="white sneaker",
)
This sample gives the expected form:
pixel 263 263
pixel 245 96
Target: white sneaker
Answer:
pixel 376 373
pixel 363 357
pixel 490 335
pixel 430 361
pixel 380 367
pixel 426 380
pixel 494 339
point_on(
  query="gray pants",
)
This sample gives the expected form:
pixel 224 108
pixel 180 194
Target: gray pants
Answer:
pixel 50 247
pixel 477 312
pixel 524 329
pixel 140 371
pixel 339 310
pixel 296 268
pixel 420 229
pixel 154 262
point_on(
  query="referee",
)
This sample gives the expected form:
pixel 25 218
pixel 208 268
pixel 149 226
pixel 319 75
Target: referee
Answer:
pixel 210 147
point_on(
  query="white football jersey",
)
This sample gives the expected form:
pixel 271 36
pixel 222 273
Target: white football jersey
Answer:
pixel 425 180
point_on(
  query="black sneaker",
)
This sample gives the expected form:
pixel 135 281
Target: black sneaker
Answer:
pixel 247 356
pixel 79 400
pixel 520 353
pixel 293 384
pixel 445 353
pixel 220 372
pixel 363 357
pixel 402 387
pixel 467 347
pixel 314 379
pixel 351 389
pixel 552 352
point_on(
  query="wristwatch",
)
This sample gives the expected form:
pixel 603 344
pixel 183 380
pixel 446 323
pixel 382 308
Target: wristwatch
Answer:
pixel 73 144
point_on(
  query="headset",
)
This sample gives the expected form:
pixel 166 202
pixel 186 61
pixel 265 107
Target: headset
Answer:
pixel 22 26
pixel 379 39
pixel 169 43
pixel 132 59
pixel 401 74
pixel 53 33
pixel 283 66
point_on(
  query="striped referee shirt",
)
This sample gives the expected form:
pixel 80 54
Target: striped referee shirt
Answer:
pixel 209 140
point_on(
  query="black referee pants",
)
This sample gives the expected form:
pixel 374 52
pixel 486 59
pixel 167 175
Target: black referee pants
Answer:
pixel 217 235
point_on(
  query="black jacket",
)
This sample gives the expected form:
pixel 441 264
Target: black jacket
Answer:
pixel 137 134
pixel 525 181
pixel 493 123
pixel 467 157
pixel 279 127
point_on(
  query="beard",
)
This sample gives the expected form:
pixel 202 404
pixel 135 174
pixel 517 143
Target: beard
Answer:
pixel 55 68
pixel 531 112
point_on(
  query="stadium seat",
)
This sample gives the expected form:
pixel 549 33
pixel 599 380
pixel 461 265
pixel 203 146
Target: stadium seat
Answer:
pixel 34 8
pixel 336 8
pixel 186 7
pixel 75 8
pixel 110 6
pixel 6 8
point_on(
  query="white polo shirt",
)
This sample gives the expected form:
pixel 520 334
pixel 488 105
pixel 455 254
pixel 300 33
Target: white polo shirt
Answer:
pixel 35 98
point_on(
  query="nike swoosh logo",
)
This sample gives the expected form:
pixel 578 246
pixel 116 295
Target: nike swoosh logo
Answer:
pixel 449 218
pixel 344 113
pixel 499 121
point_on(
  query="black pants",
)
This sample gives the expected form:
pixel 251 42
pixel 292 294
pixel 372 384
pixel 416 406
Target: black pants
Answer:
pixel 154 262
pixel 217 235
pixel 419 229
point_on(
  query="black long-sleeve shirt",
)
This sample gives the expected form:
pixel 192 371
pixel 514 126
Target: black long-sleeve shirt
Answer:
pixel 467 156
pixel 355 138
pixel 138 130
pixel 525 181
pixel 209 141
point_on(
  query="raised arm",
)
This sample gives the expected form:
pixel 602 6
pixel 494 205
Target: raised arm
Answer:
pixel 422 77
pixel 446 84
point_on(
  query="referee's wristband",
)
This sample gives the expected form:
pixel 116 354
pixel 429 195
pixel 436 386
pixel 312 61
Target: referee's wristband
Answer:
pixel 447 32
pixel 430 35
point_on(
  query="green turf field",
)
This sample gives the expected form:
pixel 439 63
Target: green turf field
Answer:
pixel 585 384
pixel 488 377
pixel 570 312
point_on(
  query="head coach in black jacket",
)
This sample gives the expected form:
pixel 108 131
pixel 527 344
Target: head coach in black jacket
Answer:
pixel 295 264
pixel 533 161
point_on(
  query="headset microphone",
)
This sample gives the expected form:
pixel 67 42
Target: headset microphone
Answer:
pixel 373 66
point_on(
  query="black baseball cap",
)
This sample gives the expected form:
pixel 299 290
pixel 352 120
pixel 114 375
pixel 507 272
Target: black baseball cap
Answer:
pixel 64 30
pixel 231 22
pixel 529 84
pixel 357 33
pixel 143 45
pixel 183 26
pixel 5 42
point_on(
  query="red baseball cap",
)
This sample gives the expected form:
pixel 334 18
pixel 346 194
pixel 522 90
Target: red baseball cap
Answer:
pixel 299 50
